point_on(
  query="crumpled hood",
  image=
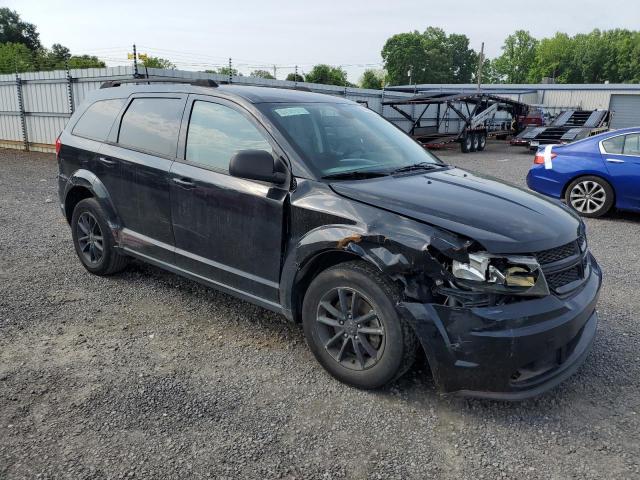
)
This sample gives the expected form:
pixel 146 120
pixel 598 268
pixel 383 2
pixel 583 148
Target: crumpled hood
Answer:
pixel 503 218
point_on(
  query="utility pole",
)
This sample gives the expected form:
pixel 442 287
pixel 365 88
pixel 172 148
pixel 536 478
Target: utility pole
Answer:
pixel 295 76
pixel 410 72
pixel 230 70
pixel 480 65
pixel 275 72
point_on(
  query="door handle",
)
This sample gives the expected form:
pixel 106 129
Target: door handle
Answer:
pixel 184 182
pixel 614 160
pixel 106 161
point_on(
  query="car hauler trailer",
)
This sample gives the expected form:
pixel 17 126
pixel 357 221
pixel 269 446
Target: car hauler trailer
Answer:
pixel 568 126
pixel 476 117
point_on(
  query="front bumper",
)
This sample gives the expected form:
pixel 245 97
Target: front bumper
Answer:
pixel 508 352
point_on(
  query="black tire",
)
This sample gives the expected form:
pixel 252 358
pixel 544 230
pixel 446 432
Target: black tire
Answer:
pixel 110 261
pixel 590 196
pixel 467 143
pixel 395 347
pixel 482 141
pixel 474 142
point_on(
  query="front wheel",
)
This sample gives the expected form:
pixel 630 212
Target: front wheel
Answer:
pixel 353 329
pixel 590 196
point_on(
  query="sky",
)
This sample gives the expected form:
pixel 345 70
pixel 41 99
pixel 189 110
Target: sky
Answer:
pixel 203 34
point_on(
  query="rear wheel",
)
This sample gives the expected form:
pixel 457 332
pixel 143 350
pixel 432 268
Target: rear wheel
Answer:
pixel 93 240
pixel 482 141
pixel 352 327
pixel 590 196
pixel 467 143
pixel 475 141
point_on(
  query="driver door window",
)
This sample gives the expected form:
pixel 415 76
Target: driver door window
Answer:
pixel 217 132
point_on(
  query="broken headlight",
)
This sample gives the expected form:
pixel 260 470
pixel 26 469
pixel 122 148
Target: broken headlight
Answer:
pixel 507 274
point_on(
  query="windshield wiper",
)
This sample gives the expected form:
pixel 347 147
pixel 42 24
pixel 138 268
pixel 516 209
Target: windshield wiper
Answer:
pixel 355 175
pixel 418 166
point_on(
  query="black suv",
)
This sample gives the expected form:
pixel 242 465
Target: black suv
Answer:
pixel 318 208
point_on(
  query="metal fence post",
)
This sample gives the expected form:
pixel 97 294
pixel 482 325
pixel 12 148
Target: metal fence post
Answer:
pixel 70 90
pixel 23 120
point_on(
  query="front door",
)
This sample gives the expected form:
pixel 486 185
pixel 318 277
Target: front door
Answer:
pixel 227 229
pixel 622 158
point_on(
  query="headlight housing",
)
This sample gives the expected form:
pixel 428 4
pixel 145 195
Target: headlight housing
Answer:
pixel 506 274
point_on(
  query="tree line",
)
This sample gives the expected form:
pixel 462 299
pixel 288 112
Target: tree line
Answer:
pixel 432 56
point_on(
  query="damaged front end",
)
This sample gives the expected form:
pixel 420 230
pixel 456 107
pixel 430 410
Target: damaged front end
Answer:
pixel 492 325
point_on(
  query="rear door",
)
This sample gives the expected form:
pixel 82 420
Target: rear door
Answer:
pixel 227 229
pixel 143 145
pixel 622 158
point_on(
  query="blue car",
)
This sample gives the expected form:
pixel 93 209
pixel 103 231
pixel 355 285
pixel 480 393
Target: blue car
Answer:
pixel 592 175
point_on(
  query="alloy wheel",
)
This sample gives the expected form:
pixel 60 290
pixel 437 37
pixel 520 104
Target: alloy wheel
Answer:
pixel 350 329
pixel 90 239
pixel 587 196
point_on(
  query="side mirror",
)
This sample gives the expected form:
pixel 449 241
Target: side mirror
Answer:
pixel 257 165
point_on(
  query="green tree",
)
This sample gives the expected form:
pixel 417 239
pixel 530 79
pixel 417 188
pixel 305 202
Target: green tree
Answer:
pixel 225 71
pixel 16 57
pixel 464 60
pixel 373 79
pixel 85 61
pixel 404 53
pixel 518 57
pixel 429 57
pixel 158 62
pixel 14 30
pixel 295 77
pixel 262 74
pixel 327 75
pixel 554 58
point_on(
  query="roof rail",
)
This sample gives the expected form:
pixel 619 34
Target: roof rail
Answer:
pixel 196 82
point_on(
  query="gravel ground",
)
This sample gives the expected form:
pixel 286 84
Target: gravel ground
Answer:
pixel 148 375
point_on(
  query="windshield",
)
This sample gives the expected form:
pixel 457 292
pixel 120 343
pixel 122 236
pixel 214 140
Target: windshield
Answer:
pixel 336 139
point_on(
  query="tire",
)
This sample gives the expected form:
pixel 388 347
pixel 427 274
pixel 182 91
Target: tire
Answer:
pixel 590 196
pixel 474 142
pixel 387 348
pixel 91 232
pixel 467 143
pixel 482 141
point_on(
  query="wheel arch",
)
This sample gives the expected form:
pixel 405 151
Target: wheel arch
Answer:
pixel 84 184
pixel 311 268
pixel 589 174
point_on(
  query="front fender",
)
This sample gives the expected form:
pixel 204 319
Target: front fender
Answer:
pixel 83 178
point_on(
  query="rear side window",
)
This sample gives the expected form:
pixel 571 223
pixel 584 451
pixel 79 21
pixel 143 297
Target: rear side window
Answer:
pixel 613 145
pixel 152 124
pixel 632 144
pixel 96 121
pixel 217 132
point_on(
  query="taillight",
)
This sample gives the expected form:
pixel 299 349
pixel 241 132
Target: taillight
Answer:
pixel 58 145
pixel 539 158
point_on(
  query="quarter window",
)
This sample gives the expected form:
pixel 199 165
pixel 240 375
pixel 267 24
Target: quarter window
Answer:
pixel 152 124
pixel 614 144
pixel 96 121
pixel 632 144
pixel 217 132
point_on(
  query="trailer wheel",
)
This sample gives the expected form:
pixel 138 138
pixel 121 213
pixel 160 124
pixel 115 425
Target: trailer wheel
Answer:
pixel 475 141
pixel 467 143
pixel 482 141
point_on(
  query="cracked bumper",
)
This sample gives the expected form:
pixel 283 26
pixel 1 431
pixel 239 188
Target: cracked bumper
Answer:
pixel 508 352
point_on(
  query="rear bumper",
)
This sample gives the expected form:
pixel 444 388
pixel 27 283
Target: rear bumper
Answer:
pixel 508 352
